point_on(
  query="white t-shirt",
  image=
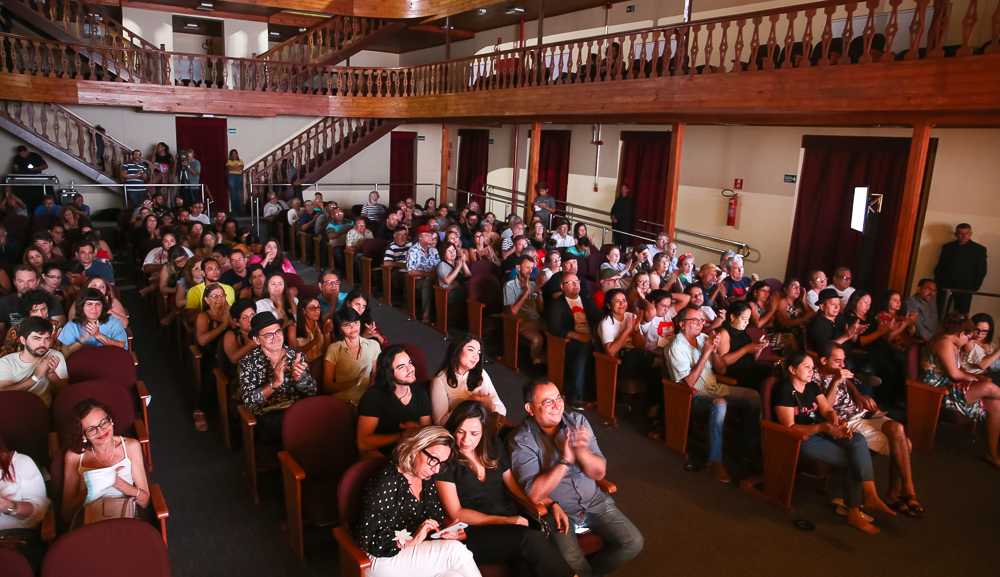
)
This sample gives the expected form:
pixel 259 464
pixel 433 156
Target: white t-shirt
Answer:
pixel 659 331
pixel 202 218
pixel 812 299
pixel 845 295
pixel 563 241
pixel 13 369
pixel 444 399
pixel 709 313
pixel 159 256
pixel 579 315
pixel 609 329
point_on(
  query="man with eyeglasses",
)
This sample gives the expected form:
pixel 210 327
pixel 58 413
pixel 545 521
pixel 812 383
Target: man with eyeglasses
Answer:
pixel 236 276
pixel 842 284
pixel 556 461
pixel 25 279
pixel 422 261
pixel 273 377
pixel 329 287
pixel 197 214
pixel 212 273
pixel 552 288
pixel 690 361
pixel 35 369
pixel 394 406
pixel 570 317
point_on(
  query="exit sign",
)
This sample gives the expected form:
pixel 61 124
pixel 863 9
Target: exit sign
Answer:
pixel 630 8
pixel 790 178
pixel 421 138
pixel 230 131
pixel 491 141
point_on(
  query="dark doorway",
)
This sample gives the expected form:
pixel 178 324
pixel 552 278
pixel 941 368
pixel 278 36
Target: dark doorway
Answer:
pixel 209 140
pixel 553 162
pixel 645 163
pixel 402 166
pixel 473 164
pixel 822 238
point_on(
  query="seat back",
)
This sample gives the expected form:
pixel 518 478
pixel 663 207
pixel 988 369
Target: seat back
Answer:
pixel 419 362
pixel 138 548
pixel 766 410
pixel 483 268
pixel 773 284
pixel 293 280
pixel 25 424
pixel 913 363
pixel 109 393
pixel 374 249
pixel 309 290
pixel 486 289
pixel 16 226
pixel 145 247
pixel 13 564
pixel 103 363
pixel 318 432
pixel 351 490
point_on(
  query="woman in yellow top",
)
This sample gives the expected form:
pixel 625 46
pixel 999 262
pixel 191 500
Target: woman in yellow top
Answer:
pixel 234 167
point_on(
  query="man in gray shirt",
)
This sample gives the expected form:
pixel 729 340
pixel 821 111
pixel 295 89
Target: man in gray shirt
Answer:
pixel 544 204
pixel 556 462
pixel 189 172
pixel 522 299
pixel 923 303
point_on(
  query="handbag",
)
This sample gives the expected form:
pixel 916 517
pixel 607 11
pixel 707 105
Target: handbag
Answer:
pixel 109 508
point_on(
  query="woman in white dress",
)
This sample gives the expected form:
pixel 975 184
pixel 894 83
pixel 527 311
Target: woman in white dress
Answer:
pixel 462 377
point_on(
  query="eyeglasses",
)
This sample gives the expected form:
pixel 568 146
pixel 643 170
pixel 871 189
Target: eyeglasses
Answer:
pixel 247 316
pixel 331 282
pixel 848 277
pixel 981 331
pixel 271 335
pixel 104 424
pixel 432 461
pixel 52 276
pixel 695 321
pixel 549 403
pixel 314 308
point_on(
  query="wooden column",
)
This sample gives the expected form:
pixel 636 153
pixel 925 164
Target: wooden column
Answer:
pixel 444 166
pixel 673 178
pixel 541 22
pixel 533 154
pixel 906 228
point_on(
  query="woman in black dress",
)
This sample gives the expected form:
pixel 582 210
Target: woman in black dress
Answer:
pixel 739 350
pixel 472 491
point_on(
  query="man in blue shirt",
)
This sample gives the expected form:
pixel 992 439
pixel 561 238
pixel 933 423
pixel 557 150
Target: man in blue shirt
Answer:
pixel 329 286
pixel 135 175
pixel 85 253
pixel 78 204
pixel 48 207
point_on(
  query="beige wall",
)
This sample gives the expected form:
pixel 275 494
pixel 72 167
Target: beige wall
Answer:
pixel 244 38
pixel 154 26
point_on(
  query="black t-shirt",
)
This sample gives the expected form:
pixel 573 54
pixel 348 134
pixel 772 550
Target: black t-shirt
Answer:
pixel 390 412
pixel 804 404
pixel 232 279
pixel 34 159
pixel 486 496
pixel 821 330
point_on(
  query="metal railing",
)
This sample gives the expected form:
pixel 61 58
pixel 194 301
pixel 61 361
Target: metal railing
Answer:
pixel 206 198
pixel 742 248
pixel 948 294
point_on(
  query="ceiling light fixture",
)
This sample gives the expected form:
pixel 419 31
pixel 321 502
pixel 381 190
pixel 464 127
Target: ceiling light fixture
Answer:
pixel 515 11
pixel 482 11
pixel 275 34
pixel 205 6
pixel 190 25
pixel 302 29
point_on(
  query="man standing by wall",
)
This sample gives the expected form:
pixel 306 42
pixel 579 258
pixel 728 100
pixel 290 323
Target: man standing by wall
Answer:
pixel 962 265
pixel 189 173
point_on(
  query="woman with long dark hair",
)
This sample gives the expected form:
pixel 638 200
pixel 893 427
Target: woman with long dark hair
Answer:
pixel 350 361
pixel 462 377
pixel 619 336
pixel 763 305
pixel 980 354
pixel 276 299
pixel 883 359
pixel 93 326
pixel 307 334
pixel 472 489
pixel 889 311
pixel 738 349
pixel 210 325
pixel 358 300
pixel 257 277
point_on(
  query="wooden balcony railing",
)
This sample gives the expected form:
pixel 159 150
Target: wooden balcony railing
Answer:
pixel 815 35
pixel 324 40
pixel 78 19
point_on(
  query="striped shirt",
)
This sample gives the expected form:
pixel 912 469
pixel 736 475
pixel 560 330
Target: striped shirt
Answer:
pixel 396 253
pixel 373 211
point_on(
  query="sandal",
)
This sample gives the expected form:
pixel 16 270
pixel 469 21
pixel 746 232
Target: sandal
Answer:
pixel 901 507
pixel 842 511
pixel 912 504
pixel 199 421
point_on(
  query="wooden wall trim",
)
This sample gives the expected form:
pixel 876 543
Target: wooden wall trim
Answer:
pixel 909 211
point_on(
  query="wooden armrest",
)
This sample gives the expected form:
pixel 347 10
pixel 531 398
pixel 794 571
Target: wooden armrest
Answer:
pixel 135 359
pixel 393 264
pixel 607 486
pixel 156 498
pixel 364 454
pixel 927 388
pixel 605 358
pixel 476 303
pixel 221 378
pixel 248 418
pixel 779 428
pixel 725 380
pixel 53 444
pixel 347 546
pixel 538 508
pixel 288 462
pixel 140 387
pixel 140 431
pixel 49 524
pixel 195 352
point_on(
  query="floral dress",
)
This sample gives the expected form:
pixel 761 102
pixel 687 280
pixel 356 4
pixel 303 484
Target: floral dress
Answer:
pixel 932 374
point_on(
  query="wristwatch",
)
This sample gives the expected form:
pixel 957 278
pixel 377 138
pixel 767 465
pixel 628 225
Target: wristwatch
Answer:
pixel 12 510
pixel 565 462
pixel 34 378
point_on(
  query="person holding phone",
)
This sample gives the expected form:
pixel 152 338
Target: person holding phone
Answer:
pixel 739 350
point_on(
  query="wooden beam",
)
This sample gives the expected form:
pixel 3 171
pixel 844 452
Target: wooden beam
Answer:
pixel 906 227
pixel 534 153
pixel 673 178
pixel 445 161
pixel 439 30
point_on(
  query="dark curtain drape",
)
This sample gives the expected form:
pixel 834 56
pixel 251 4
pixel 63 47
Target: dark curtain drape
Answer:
pixel 473 164
pixel 644 165
pixel 210 142
pixel 553 162
pixel 822 237
pixel 402 166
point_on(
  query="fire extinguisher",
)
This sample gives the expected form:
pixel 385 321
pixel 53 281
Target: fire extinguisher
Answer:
pixel 733 203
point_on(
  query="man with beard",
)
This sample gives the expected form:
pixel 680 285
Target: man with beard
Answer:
pixel 392 407
pixel 35 369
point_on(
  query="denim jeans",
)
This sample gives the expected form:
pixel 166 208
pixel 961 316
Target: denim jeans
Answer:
pixel 850 455
pixel 745 400
pixel 235 192
pixel 578 354
pixel 622 540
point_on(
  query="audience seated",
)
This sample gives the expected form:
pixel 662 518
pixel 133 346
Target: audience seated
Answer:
pixel 34 303
pixel 237 342
pixel 881 357
pixel 692 361
pixel 656 318
pixel 392 407
pixel 401 509
pixel 94 327
pixel 570 316
pixel 842 284
pixel 710 279
pixel 890 311
pixel 829 325
pixel 86 252
pixel 210 326
pixel 713 319
pixel 972 395
pixel 350 361
pixel 738 349
pixel 792 312
pixel 736 285
pixel 924 303
pixel 581 248
pixel 372 210
pixel 462 377
pixel 453 273
pixel 308 334
pixel 799 403
pixel 357 299
pixel 817 282
pixel 522 299
pixel 270 255
pixel 98 466
pixel 980 355
pixel 35 367
pixel 472 489
pixel 23 503
pixel 481 248
pixel 236 275
pixel 276 299
pixel 212 272
pixel 422 261
pixel 561 234
pixel 256 281
pixel 272 377
pixel 763 305
pixel 555 459
pixel 25 279
pixel 115 306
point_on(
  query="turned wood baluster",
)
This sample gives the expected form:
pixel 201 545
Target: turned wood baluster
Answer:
pixel 869 32
pixel 994 46
pixel 789 41
pixel 807 39
pixel 772 42
pixel 738 48
pixel 968 25
pixel 81 140
pixel 755 43
pixel 69 131
pixel 724 45
pixel 31 115
pixel 939 25
pixel 848 34
pixel 45 120
pixel 3 58
pixel 39 66
pixel 55 125
pixel 709 48
pixel 917 26
pixel 827 36
pixel 694 50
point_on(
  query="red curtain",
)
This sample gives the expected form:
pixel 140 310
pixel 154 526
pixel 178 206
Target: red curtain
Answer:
pixel 644 165
pixel 402 166
pixel 209 140
pixel 473 164
pixel 822 237
pixel 553 162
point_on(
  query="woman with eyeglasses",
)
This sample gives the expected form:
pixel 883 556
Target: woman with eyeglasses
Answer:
pixel 489 233
pixel 258 279
pixel 23 503
pixel 211 323
pixel 472 489
pixel 481 248
pixel 401 509
pixel 115 306
pixel 99 465
pixel 350 361
pixel 553 264
pixel 461 378
pixel 94 327
pixel 358 300
pixel 792 313
pixel 51 281
pixel 980 355
pixel 33 303
pixel 763 305
pixel 638 294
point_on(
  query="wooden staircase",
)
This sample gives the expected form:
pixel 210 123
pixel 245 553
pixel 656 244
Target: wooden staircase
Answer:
pixel 333 41
pixel 59 134
pixel 318 150
pixel 75 22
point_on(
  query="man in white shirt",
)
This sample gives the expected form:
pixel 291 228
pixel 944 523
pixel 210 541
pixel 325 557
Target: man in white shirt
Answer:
pixel 817 282
pixel 689 361
pixel 198 216
pixel 522 299
pixel 271 210
pixel 562 236
pixel 35 369
pixel 657 326
pixel 842 284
